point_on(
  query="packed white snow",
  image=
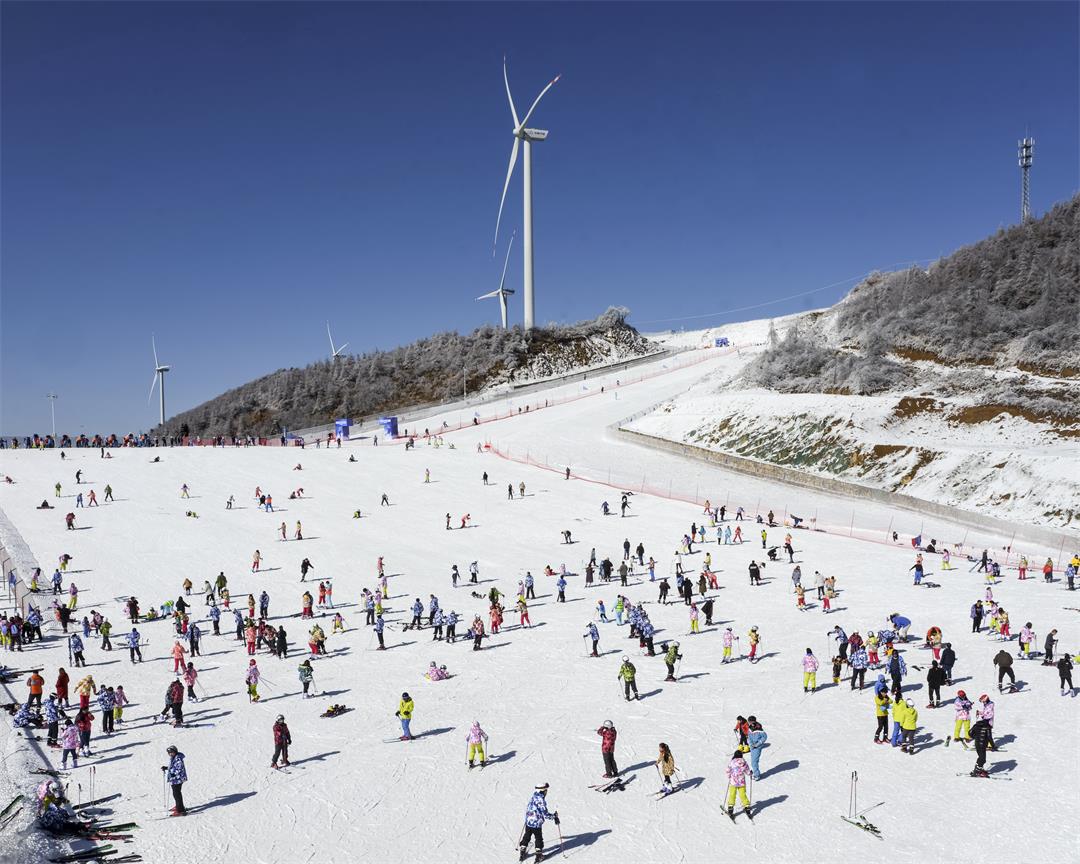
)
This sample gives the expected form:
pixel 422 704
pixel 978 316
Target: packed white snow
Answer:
pixel 354 792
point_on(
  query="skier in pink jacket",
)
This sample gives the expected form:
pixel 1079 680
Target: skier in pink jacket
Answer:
pixel 737 770
pixel 810 667
pixel 476 739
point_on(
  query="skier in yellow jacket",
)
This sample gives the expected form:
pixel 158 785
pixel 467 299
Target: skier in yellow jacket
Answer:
pixel 404 713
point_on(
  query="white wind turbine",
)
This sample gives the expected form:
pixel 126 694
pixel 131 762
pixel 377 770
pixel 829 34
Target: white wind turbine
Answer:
pixel 502 292
pixel 521 134
pixel 158 380
pixel 334 352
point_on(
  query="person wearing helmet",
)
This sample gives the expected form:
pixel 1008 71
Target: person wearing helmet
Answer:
pixel 962 726
pixel 176 777
pixel 627 673
pixel 982 736
pixel 670 657
pixel 754 637
pixel 252 681
pixel 608 734
pixel 536 812
pixel 909 722
pixel 404 713
pixel 54 810
pixel 727 640
pixel 592 633
pixel 282 740
pixel 476 739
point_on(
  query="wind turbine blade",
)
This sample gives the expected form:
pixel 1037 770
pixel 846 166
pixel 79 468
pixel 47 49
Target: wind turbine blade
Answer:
pixel 506 185
pixel 153 383
pixel 342 347
pixel 489 295
pixel 153 342
pixel 538 98
pixel 513 110
pixel 502 281
pixel 333 350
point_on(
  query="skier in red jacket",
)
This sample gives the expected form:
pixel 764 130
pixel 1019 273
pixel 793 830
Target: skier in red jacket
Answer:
pixel 607 734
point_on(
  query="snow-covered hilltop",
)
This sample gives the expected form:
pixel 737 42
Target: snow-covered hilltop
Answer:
pixel 424 372
pixel 957 385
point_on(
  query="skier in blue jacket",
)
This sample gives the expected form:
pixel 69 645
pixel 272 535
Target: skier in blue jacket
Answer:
pixel 594 634
pixel 535 814
pixel 756 739
pixel 176 777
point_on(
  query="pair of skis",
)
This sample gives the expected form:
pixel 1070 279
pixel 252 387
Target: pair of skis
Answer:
pixel 10 812
pixel 613 785
pixel 856 818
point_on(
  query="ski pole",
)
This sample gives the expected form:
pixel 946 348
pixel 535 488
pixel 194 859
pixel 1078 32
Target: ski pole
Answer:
pixel 868 809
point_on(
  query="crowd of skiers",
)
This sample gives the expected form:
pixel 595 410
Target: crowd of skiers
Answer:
pixel 875 648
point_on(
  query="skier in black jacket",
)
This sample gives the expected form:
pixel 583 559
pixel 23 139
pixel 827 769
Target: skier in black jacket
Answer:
pixel 948 660
pixel 935 677
pixel 980 734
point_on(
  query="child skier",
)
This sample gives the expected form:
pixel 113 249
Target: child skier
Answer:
pixel 810 667
pixel 737 770
pixel 476 739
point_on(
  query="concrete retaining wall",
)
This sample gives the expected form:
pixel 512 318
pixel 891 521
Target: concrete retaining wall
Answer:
pixel 1048 537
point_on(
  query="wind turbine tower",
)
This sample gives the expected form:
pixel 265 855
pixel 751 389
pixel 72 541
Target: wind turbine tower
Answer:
pixel 52 397
pixel 502 292
pixel 526 136
pixel 159 381
pixel 1025 150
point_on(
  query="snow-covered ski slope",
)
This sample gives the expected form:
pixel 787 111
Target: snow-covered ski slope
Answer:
pixel 349 796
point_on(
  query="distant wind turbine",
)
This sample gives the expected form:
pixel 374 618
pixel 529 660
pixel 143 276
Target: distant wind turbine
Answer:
pixel 158 380
pixel 334 352
pixel 521 134
pixel 502 292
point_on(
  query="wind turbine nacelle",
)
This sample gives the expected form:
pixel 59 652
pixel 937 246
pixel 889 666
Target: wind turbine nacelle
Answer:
pixel 163 368
pixel 535 134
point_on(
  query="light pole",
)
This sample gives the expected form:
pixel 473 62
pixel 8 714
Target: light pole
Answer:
pixel 52 405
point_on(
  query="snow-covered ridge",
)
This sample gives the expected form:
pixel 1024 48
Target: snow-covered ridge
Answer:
pixel 943 439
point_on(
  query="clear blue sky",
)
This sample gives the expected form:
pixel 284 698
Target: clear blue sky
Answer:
pixel 229 175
